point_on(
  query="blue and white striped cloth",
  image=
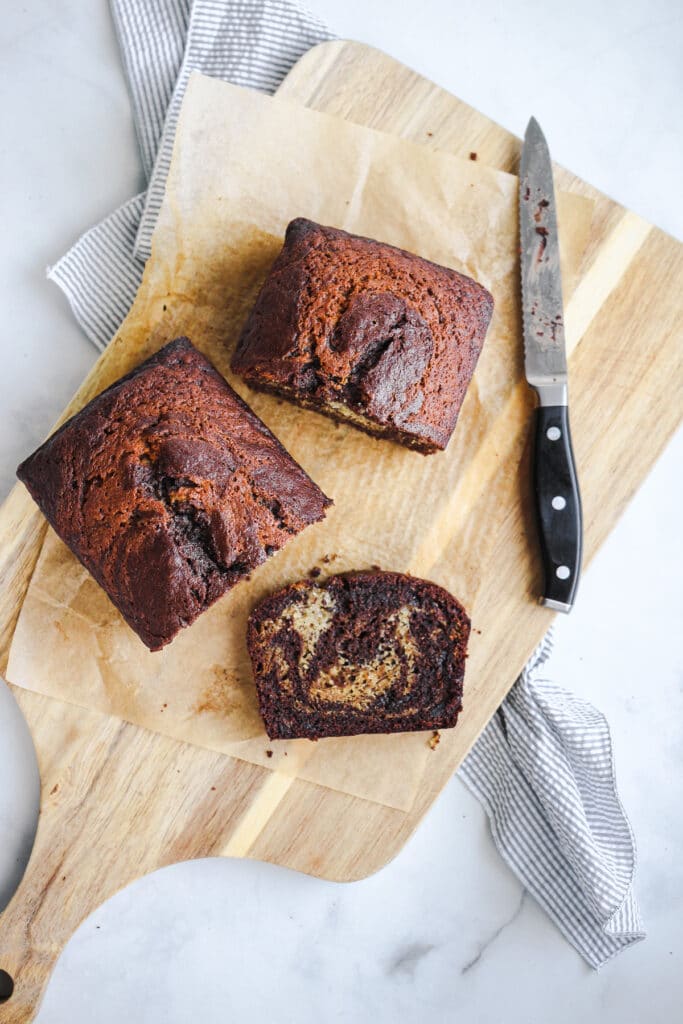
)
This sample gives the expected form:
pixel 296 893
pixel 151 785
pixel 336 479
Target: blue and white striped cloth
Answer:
pixel 543 768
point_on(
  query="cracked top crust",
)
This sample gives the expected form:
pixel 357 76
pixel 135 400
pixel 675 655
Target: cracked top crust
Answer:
pixel 170 490
pixel 366 332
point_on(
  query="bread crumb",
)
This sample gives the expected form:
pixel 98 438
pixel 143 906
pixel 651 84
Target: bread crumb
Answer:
pixel 434 741
pixel 473 156
pixel 314 572
pixel 430 134
pixel 213 789
pixel 269 753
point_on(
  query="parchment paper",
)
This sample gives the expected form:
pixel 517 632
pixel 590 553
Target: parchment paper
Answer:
pixel 244 165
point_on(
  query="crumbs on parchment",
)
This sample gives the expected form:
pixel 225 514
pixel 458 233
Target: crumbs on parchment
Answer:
pixel 269 753
pixel 434 741
pixel 473 156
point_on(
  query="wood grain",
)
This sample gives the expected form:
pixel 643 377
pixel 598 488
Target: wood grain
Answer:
pixel 119 801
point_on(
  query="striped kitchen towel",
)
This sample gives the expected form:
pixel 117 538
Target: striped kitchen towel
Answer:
pixel 543 767
pixel 544 771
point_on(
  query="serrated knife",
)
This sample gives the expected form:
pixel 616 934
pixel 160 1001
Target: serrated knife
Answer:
pixel 556 489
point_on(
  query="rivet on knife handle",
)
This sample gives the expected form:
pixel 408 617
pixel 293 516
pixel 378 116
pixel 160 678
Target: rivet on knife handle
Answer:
pixel 558 503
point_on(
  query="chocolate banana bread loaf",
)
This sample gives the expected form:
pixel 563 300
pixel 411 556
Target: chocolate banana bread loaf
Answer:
pixel 363 652
pixel 170 490
pixel 366 333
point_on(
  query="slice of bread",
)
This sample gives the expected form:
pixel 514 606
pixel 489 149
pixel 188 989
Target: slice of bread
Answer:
pixel 364 652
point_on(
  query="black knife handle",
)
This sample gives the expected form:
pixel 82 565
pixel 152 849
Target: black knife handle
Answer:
pixel 558 507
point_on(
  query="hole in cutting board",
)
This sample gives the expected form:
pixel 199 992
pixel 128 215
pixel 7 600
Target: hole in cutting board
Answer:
pixel 6 986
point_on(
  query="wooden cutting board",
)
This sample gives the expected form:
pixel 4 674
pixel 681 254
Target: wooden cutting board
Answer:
pixel 119 801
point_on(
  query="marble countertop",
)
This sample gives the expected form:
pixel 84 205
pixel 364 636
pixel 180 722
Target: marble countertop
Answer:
pixel 445 931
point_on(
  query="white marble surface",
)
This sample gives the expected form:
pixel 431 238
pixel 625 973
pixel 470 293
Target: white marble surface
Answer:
pixel 444 931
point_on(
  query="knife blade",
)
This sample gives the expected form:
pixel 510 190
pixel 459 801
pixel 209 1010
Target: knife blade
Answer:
pixel 556 489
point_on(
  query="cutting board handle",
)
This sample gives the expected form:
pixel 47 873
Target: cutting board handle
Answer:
pixel 117 802
pixel 65 878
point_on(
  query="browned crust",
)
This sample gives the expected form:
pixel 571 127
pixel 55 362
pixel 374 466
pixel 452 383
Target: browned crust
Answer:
pixel 347 321
pixel 375 430
pixel 169 490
